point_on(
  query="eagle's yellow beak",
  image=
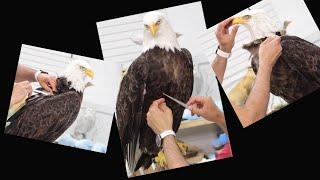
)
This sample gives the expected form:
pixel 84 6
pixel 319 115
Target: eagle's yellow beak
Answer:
pixel 89 73
pixel 154 29
pixel 239 20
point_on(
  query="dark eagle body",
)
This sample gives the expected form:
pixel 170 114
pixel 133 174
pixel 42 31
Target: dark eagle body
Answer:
pixel 47 117
pixel 296 72
pixel 154 72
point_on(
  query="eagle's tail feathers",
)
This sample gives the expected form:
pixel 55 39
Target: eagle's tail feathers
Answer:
pixel 144 161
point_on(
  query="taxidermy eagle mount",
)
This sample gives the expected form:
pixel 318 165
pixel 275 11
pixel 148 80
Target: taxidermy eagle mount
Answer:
pixel 297 71
pixel 162 67
pixel 47 117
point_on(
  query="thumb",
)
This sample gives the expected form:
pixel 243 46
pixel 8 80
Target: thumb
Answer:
pixel 164 107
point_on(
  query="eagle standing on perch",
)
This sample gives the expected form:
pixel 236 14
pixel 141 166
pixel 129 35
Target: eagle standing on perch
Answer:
pixel 297 71
pixel 163 67
pixel 47 117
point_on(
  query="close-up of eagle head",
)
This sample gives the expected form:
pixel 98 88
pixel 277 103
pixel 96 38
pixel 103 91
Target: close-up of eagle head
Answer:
pixel 297 70
pixel 162 67
pixel 47 117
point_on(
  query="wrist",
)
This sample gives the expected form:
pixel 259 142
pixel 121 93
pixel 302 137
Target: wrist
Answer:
pixel 266 68
pixel 168 139
pixel 37 74
pixel 225 48
pixel 222 53
pixel 160 137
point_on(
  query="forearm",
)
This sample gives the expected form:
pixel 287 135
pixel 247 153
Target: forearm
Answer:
pixel 222 123
pixel 220 120
pixel 172 153
pixel 25 74
pixel 219 66
pixel 256 105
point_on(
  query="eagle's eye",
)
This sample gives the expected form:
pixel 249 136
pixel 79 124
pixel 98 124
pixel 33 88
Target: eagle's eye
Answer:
pixel 82 68
pixel 247 17
pixel 146 26
pixel 158 22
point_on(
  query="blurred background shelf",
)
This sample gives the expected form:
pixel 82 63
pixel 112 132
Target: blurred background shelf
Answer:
pixel 186 124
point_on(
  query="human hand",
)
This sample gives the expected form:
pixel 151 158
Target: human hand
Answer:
pixel 205 107
pixel 20 91
pixel 159 116
pixel 269 52
pixel 224 36
pixel 48 82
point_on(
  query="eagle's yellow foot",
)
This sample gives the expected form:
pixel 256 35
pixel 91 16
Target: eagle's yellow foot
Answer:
pixel 183 147
pixel 161 160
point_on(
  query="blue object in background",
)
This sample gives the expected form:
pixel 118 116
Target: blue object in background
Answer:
pixel 220 141
pixel 98 147
pixel 86 144
pixel 187 115
pixel 67 140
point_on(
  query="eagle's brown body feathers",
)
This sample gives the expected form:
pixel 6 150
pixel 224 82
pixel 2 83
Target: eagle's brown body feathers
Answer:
pixel 154 72
pixel 296 72
pixel 47 117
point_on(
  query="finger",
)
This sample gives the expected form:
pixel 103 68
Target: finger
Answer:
pixel 234 30
pixel 269 39
pixel 223 26
pixel 275 40
pixel 148 115
pixel 195 100
pixel 158 101
pixel 47 88
pixel 227 23
pixel 28 87
pixel 195 109
pixel 53 84
pixel 29 91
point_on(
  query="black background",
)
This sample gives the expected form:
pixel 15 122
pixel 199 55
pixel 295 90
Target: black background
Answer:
pixel 285 142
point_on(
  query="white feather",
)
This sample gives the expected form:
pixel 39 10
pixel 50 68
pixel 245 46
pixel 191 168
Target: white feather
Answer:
pixel 76 76
pixel 165 38
pixel 260 24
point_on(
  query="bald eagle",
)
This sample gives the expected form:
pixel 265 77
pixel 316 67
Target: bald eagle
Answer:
pixel 46 117
pixel 297 71
pixel 162 67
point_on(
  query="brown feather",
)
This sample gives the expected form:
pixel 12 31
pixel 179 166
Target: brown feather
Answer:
pixel 154 72
pixel 296 72
pixel 47 117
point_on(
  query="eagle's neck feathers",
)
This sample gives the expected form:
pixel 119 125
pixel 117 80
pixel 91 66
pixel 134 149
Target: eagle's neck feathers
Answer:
pixel 76 79
pixel 261 27
pixel 167 43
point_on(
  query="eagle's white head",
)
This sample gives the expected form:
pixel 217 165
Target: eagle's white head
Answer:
pixel 158 32
pixel 257 22
pixel 80 74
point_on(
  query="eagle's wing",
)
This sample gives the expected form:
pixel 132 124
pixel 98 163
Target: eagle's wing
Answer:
pixel 129 108
pixel 302 56
pixel 46 117
pixel 188 55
